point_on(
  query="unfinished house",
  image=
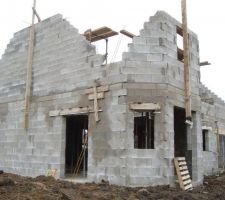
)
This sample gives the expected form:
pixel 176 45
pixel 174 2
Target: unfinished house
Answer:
pixel 131 113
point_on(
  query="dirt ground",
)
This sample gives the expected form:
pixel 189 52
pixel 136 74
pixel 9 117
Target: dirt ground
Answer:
pixel 14 187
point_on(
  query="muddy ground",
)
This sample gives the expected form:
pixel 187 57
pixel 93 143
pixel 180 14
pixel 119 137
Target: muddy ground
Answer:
pixel 14 187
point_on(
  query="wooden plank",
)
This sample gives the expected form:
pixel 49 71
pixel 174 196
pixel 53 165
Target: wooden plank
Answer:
pixel 186 177
pixel 95 104
pixel 71 111
pixel 99 34
pixel 182 163
pixel 103 88
pixel 178 174
pixel 184 172
pixel 29 72
pixel 99 96
pixel 101 30
pixel 218 138
pixel 186 61
pixel 187 181
pixel 180 158
pixel 74 111
pixel 188 187
pixel 183 168
pixel 144 106
pixel 103 36
pixel 128 34
pixel 204 63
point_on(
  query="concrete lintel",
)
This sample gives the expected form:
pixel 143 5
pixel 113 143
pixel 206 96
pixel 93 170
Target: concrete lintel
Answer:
pixel 207 128
pixel 144 106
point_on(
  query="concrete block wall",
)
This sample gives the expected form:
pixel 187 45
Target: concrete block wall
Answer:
pixel 155 50
pixel 213 116
pixel 64 61
pixel 152 61
pixel 60 53
pixel 64 65
pixel 157 168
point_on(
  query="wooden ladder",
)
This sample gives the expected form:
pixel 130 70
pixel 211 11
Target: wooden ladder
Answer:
pixel 183 173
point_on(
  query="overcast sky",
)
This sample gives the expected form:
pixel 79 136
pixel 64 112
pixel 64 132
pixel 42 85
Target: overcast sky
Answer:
pixel 205 17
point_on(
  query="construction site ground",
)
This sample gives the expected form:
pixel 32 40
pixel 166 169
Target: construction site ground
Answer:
pixel 16 187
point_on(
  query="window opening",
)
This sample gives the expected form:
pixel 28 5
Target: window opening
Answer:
pixel 180 49
pixel 205 140
pixel 144 131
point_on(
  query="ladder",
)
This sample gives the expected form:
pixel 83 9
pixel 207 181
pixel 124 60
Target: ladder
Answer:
pixel 183 175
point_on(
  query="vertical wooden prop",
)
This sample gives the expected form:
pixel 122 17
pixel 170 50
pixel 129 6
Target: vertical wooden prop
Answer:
pixel 29 71
pixel 186 61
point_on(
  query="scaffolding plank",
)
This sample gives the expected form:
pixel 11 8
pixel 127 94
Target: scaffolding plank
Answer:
pixel 99 34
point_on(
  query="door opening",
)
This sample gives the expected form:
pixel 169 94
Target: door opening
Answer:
pixel 180 133
pixel 76 135
pixel 181 137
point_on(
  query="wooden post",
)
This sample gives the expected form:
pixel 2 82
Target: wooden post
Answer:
pixel 186 61
pixel 29 70
pixel 95 103
pixel 218 137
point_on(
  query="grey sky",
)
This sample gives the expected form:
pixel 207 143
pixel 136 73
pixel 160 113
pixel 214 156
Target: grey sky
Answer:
pixel 205 17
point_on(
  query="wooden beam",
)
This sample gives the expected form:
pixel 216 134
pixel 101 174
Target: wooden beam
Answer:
pixel 186 61
pixel 29 71
pixel 100 95
pixel 128 34
pixel 95 104
pixel 144 106
pixel 71 111
pixel 218 132
pixel 103 88
pixel 204 63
